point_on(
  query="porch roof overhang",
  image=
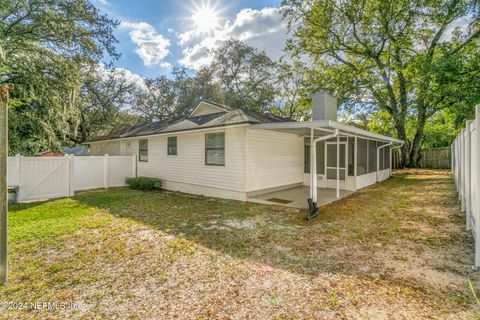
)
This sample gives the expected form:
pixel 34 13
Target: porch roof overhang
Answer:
pixel 322 128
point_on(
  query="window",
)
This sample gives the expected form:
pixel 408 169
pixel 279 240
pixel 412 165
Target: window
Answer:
pixel 172 146
pixel 143 150
pixel 215 149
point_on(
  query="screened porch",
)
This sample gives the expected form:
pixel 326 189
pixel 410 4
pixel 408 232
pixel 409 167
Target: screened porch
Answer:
pixel 338 159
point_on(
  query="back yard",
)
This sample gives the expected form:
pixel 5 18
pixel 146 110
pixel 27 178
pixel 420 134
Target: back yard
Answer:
pixel 398 249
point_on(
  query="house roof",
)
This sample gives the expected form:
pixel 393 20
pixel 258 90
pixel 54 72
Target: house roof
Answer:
pixel 206 114
pixel 209 114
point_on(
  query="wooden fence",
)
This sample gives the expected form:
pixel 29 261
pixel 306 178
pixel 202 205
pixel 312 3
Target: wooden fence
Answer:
pixel 435 158
pixel 466 171
pixel 53 177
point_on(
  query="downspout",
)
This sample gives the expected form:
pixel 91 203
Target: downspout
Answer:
pixel 338 166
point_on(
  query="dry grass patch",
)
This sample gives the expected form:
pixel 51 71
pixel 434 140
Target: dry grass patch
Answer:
pixel 395 250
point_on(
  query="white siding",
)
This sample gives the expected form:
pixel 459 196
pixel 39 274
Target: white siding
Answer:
pixel 273 159
pixel 188 166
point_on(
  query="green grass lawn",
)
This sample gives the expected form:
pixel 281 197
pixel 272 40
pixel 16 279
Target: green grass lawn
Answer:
pixel 395 250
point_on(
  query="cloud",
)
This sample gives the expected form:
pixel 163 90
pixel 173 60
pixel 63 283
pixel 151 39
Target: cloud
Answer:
pixel 103 2
pixel 121 73
pixel 262 29
pixel 152 47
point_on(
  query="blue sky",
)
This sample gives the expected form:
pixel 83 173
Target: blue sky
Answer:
pixel 155 35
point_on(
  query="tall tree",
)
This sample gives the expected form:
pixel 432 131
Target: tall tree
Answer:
pixel 105 102
pixel 246 75
pixel 388 53
pixel 47 44
pixel 291 92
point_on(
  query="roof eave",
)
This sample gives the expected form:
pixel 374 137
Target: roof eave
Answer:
pixel 326 124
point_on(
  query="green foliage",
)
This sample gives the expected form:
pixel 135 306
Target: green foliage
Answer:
pixel 245 74
pixel 377 53
pixel 439 131
pixel 144 183
pixel 239 75
pixel 47 44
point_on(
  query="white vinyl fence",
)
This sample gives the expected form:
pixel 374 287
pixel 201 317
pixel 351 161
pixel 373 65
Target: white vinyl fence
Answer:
pixel 466 171
pixel 54 177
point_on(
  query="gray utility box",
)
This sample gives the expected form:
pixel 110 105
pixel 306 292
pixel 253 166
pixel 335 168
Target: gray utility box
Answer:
pixel 12 194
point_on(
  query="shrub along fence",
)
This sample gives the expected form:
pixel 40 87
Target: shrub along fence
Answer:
pixel 53 177
pixel 466 171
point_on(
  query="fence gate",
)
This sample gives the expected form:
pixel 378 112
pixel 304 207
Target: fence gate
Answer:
pixel 41 178
pixel 44 178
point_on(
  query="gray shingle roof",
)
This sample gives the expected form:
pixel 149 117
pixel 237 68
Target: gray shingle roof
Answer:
pixel 219 119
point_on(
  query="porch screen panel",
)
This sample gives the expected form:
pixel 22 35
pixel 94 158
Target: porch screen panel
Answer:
pixel 332 174
pixel 386 158
pixel 372 156
pixel 332 156
pixel 351 156
pixel 320 157
pixel 362 155
pixel 381 155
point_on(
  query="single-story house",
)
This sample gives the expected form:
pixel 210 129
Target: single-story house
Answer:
pixel 233 153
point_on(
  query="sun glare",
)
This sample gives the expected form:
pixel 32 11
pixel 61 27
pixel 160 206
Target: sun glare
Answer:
pixel 206 17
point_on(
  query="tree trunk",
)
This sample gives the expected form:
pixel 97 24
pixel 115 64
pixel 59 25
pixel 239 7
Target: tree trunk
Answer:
pixel 417 139
pixel 400 127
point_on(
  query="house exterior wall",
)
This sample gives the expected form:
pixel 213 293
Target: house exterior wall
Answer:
pixel 273 159
pixel 187 171
pixel 255 160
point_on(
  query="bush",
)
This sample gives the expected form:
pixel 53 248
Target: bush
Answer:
pixel 144 183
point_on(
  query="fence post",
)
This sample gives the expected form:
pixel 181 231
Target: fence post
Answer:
pixel 17 171
pixel 468 173
pixel 20 183
pixel 71 175
pixel 134 165
pixel 476 180
pixel 462 170
pixel 105 171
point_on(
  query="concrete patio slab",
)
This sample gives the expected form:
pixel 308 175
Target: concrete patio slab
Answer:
pixel 297 197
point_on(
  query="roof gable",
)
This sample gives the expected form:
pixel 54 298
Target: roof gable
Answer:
pixel 207 107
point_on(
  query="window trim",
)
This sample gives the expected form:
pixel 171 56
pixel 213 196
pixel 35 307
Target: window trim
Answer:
pixel 206 149
pixel 140 150
pixel 168 146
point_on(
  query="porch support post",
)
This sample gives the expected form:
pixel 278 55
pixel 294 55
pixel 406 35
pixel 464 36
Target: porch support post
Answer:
pixel 355 161
pixel 312 174
pixel 314 170
pixel 338 166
